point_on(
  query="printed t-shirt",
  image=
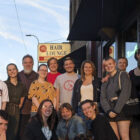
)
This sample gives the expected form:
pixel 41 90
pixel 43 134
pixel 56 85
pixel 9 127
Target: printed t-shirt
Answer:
pixel 4 97
pixel 65 84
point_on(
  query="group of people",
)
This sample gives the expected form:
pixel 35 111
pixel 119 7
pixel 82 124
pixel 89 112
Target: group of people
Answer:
pixel 52 106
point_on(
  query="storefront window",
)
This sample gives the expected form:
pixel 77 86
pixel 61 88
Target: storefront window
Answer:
pixel 112 50
pixel 129 53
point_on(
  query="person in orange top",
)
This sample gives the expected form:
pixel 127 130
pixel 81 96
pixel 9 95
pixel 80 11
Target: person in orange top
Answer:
pixel 41 89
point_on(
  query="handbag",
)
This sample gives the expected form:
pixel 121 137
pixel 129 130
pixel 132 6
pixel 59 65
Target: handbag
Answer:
pixel 132 106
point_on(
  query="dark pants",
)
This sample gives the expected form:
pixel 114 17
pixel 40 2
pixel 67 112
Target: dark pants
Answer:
pixel 24 118
pixel 13 122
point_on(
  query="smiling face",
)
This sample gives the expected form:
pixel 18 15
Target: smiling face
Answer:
pixel 12 71
pixel 69 66
pixel 88 110
pixel 47 109
pixel 3 125
pixel 66 114
pixel 110 66
pixel 122 64
pixel 43 71
pixel 53 66
pixel 88 70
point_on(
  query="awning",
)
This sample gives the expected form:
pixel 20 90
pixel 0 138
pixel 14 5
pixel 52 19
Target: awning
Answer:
pixel 100 19
pixel 78 56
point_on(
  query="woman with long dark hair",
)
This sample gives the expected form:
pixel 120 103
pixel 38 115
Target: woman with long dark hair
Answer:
pixel 135 95
pixel 17 92
pixel 42 126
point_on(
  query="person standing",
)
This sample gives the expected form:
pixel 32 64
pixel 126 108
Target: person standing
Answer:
pixel 64 83
pixel 135 94
pixel 26 76
pixel 85 87
pixel 114 95
pixel 122 63
pixel 40 89
pixel 53 66
pixel 17 92
pixel 4 97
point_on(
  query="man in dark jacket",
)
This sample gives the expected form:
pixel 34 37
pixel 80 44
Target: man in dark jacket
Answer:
pixel 26 76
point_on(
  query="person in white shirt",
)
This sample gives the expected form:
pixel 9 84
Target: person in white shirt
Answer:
pixel 4 97
pixel 64 83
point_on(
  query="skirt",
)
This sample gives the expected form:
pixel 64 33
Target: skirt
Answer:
pixel 120 117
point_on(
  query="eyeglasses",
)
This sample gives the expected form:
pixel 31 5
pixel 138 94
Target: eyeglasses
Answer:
pixel 43 70
pixel 47 107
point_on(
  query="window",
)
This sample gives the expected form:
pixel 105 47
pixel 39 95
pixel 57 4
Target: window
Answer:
pixel 129 53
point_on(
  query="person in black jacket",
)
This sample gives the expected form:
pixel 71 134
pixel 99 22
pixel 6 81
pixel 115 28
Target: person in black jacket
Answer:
pixel 43 125
pixel 85 87
pixel 101 129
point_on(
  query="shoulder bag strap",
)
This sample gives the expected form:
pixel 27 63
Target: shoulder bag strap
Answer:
pixel 120 80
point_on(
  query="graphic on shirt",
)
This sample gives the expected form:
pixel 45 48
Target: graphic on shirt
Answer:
pixel 68 85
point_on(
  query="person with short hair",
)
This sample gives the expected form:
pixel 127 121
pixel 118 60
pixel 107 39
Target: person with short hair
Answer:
pixel 101 128
pixel 122 63
pixel 26 76
pixel 64 83
pixel 4 97
pixel 43 125
pixel 53 66
pixel 3 124
pixel 70 125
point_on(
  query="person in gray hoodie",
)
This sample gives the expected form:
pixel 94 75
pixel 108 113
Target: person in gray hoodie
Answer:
pixel 114 95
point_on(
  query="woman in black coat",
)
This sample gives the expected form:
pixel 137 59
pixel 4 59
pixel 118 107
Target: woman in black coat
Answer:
pixel 101 129
pixel 42 126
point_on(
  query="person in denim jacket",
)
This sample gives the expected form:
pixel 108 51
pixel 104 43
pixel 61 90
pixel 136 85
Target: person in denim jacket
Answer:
pixel 70 125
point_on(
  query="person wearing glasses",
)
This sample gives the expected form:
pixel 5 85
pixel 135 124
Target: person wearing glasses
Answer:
pixel 42 126
pixel 40 89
